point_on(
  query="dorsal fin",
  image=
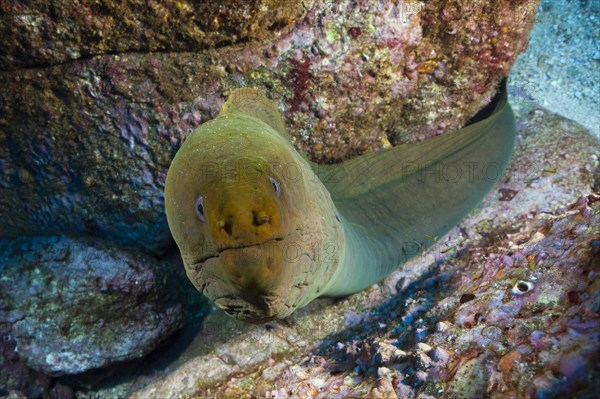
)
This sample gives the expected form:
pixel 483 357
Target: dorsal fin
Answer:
pixel 253 102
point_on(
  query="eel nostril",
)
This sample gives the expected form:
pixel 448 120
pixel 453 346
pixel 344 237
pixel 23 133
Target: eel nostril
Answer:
pixel 226 225
pixel 259 218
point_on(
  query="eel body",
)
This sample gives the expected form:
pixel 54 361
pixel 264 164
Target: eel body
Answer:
pixel 262 231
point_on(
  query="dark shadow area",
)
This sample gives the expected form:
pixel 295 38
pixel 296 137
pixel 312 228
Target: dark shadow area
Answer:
pixel 488 110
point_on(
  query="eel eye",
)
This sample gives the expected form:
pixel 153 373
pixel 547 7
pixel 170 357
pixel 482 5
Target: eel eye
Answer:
pixel 199 208
pixel 276 186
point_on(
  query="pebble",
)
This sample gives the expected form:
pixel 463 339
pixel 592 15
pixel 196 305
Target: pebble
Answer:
pixel 423 347
pixel 382 390
pixel 387 352
pixel 384 372
pixel 419 377
pixel 441 326
pixel 440 355
pixel 420 333
pixel 424 361
pixel 352 380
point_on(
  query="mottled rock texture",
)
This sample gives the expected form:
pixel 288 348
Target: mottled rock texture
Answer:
pixel 71 305
pixel 506 305
pixel 515 319
pixel 95 98
pixel 41 33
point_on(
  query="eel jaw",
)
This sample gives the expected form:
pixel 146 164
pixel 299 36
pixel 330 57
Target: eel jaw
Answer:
pixel 247 281
pixel 239 308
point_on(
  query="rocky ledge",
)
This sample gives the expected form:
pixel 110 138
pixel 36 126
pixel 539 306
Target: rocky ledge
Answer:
pixel 506 305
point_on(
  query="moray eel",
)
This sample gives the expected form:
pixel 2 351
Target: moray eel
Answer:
pixel 262 231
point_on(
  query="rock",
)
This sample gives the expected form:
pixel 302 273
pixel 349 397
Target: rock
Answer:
pixel 441 326
pixel 382 390
pixel 471 378
pixel 440 355
pixel 423 347
pixel 74 304
pixel 86 137
pixel 423 361
pixel 40 33
pixel 419 378
pixel 515 346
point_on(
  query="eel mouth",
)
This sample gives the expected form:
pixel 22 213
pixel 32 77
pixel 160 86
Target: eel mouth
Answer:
pixel 264 309
pixel 220 251
pixel 255 244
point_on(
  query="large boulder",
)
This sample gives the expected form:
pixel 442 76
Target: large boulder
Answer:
pixel 41 33
pixel 72 305
pixel 96 99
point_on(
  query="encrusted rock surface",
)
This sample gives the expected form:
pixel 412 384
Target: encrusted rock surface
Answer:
pixel 71 305
pixel 506 305
pixel 95 99
pixel 89 127
pixel 51 32
pixel 512 320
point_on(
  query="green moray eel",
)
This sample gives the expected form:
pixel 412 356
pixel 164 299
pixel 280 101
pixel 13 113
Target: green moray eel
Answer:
pixel 262 231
